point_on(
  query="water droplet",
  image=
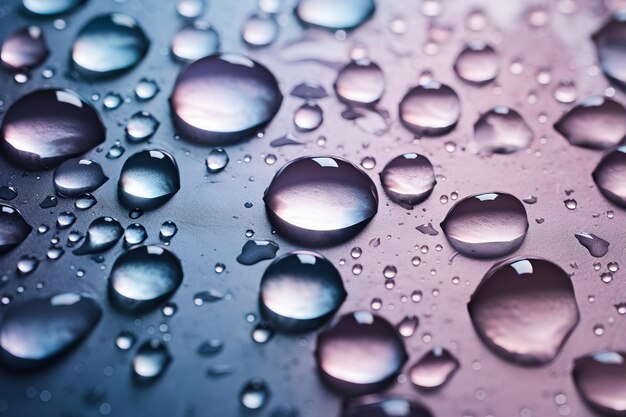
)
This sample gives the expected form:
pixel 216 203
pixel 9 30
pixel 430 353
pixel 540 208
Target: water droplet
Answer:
pixel 254 394
pixel 46 127
pixel 194 41
pixel 360 82
pixel 255 251
pixel 144 277
pixel 260 30
pixel 309 90
pixel 125 340
pixel 50 7
pixel 596 246
pixel 78 176
pixel 102 234
pixel 377 406
pixel 408 179
pixel 601 381
pixel 304 192
pixel 360 354
pixel 112 101
pixel 8 193
pixel 408 325
pixel 27 264
pixel 609 40
pixel 245 97
pixel 24 49
pixel 134 234
pixel 48 202
pixel 167 231
pixel 190 9
pixel 610 176
pixel 571 204
pixel 433 369
pixel 141 127
pixel 525 309
pixel 262 332
pixel 501 130
pixel 300 291
pixel 146 89
pixel 217 160
pixel 368 162
pixel 335 15
pixel 148 180
pixel 38 330
pixel 430 109
pixel 85 201
pixel 109 45
pixel 477 63
pixel 486 225
pixel 210 296
pixel 565 92
pixel 65 219
pixel 210 347
pixel 151 360
pixel 13 228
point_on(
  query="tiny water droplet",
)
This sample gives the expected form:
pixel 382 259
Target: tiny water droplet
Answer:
pixel 308 117
pixel 260 30
pixel 408 325
pixel 262 333
pixel 125 340
pixel 146 89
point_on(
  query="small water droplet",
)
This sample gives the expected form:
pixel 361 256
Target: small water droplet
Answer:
pixel 571 204
pixel 125 340
pixel 112 101
pixel 141 126
pixel 260 30
pixel 335 15
pixel 254 394
pixel 477 63
pixel 146 89
pixel 85 201
pixel 262 333
pixel 151 360
pixel 27 264
pixel 408 179
pixel 408 325
pixel 217 160
pixel 308 117
pixel 565 92
pixel 433 369
pixel 360 82
pixel 194 41
pixel 430 109
pixel 190 9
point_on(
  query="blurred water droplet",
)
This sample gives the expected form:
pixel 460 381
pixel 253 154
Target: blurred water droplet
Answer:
pixel 611 55
pixel 610 176
pixel 433 369
pixel 596 246
pixel 141 126
pixel 309 91
pixel 501 130
pixel 477 63
pixel 254 394
pixel 78 176
pixel 24 49
pixel 125 340
pixel 50 7
pixel 151 360
pixel 408 179
pixel 260 30
pixel 13 228
pixel 194 41
pixel 262 333
pixel 8 192
pixel 430 109
pixel 102 234
pixel 360 82
pixel 565 92
pixel 112 101
pixel 190 8
pixel 378 406
pixel 146 89
pixel 408 325
pixel 255 251
pixel 601 381
pixel 27 264
pixel 335 15
pixel 308 117
pixel 210 347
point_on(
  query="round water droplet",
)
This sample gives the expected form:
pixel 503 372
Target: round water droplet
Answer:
pixel 217 160
pixel 168 231
pixel 609 42
pixel 525 309
pixel 38 330
pixel 151 360
pixel 144 277
pixel 109 45
pixel 134 234
pixel 13 228
pixel 597 123
pixel 408 179
pixel 300 291
pixel 501 130
pixel 148 180
pixel 24 49
pixel 146 89
pixel 601 381
pixel 433 369
pixel 430 109
pixel 335 15
pixel 102 234
pixel 308 117
pixel 320 200
pixel 360 82
pixel 244 98
pixel 477 63
pixel 194 41
pixel 254 394
pixel 78 176
pixel 486 225
pixel 141 127
pixel 360 354
pixel 377 406
pixel 260 30
pixel 51 7
pixel 610 176
pixel 46 127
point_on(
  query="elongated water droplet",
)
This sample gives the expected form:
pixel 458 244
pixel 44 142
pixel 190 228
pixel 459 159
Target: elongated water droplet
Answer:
pixel 433 369
pixel 320 200
pixel 13 228
pixel 308 117
pixel 477 63
pixel 486 225
pixel 360 354
pixel 609 42
pixel 255 251
pixel 254 394
pixel 601 381
pixel 141 127
pixel 102 234
pixel 244 98
pixel 596 246
pixel 378 406
pixel 300 291
pixel 151 360
pixel 46 127
pixel 78 176
pixel 144 277
pixel 335 15
pixel 24 49
pixel 148 180
pixel 194 41
pixel 360 82
pixel 501 130
pixel 51 7
pixel 260 30
pixel 109 45
pixel 525 309
pixel 408 179
pixel 38 330
pixel 610 176
pixel 430 109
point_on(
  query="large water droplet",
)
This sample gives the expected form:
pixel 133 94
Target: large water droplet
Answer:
pixel 477 63
pixel 151 360
pixel 102 234
pixel 50 7
pixel 610 176
pixel 335 15
pixel 78 176
pixel 194 41
pixel 13 228
pixel 33 332
pixel 144 277
pixel 360 82
pixel 597 123
pixel 46 127
pixel 300 291
pixel 24 49
pixel 360 354
pixel 601 381
pixel 430 109
pixel 260 30
pixel 501 130
pixel 148 180
pixel 377 406
pixel 408 179
pixel 320 200
pixel 109 45
pixel 486 225
pixel 244 98
pixel 433 369
pixel 525 309
pixel 610 40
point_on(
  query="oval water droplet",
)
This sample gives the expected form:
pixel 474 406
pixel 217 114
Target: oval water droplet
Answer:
pixel 244 97
pixel 524 309
pixel 254 394
pixel 320 200
pixel 300 291
pixel 609 42
pixel 486 225
pixel 144 277
pixel 610 176
pixel 260 30
pixel 141 127
pixel 109 45
pixel 135 234
pixel 360 354
pixel 601 381
pixel 151 360
pixel 78 176
pixel 194 41
pixel 308 117
pixel 190 8
pixel 24 49
pixel 148 180
pixel 36 331
pixel 501 130
pixel 46 127
pixel 13 228
pixel 477 63
pixel 430 109
pixel 378 406
pixel 360 82
pixel 335 15
pixel 433 369
pixel 102 234
pixel 408 179
pixel 217 160
pixel 51 7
